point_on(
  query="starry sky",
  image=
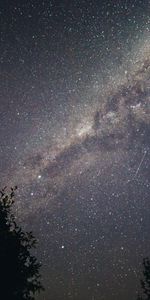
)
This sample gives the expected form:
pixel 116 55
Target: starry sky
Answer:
pixel 75 139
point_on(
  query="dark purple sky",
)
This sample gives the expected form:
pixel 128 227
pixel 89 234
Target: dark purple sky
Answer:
pixel 75 138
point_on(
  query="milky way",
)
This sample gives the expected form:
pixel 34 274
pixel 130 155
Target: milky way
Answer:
pixel 119 126
pixel 75 139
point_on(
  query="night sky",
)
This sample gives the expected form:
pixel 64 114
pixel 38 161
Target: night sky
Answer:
pixel 75 139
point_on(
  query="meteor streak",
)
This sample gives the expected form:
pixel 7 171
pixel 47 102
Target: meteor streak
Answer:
pixel 141 162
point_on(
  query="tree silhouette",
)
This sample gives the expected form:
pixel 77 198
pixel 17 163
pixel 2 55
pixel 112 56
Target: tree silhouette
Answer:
pixel 145 282
pixel 19 270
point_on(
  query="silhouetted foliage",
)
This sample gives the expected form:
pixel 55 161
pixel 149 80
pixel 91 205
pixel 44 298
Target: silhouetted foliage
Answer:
pixel 139 297
pixel 19 270
pixel 145 282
